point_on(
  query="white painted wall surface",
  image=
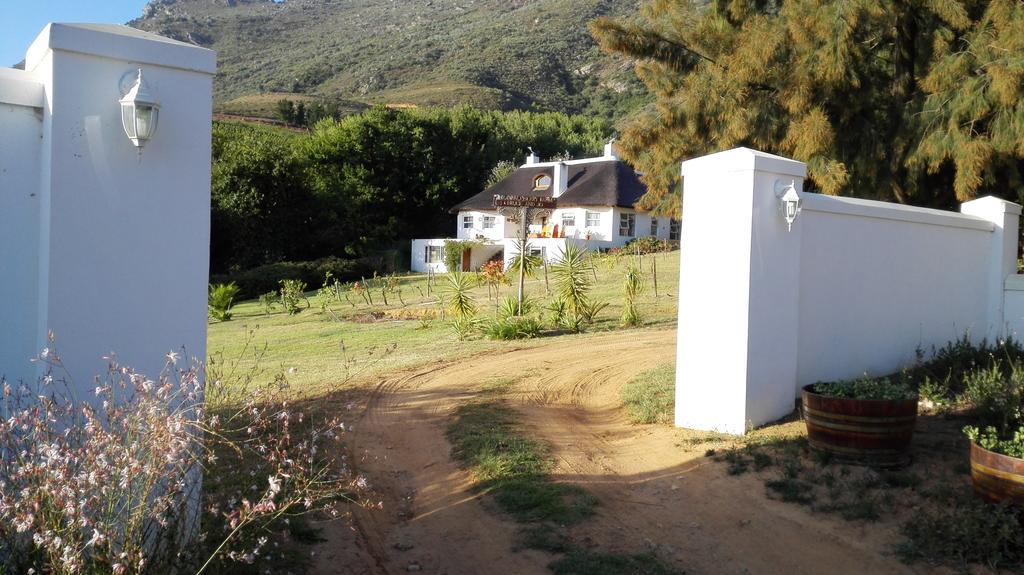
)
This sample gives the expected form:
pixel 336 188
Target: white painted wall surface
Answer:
pixel 121 240
pixel 1014 306
pixel 21 130
pixel 856 286
pixel 879 280
pixel 418 259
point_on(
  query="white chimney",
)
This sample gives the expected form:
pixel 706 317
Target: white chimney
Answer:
pixel 532 158
pixel 561 179
pixel 609 149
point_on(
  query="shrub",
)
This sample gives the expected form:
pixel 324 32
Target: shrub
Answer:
pixel 221 300
pixel 866 388
pixel 997 395
pixel 510 307
pixel 292 293
pixel 266 278
pixel 107 485
pixel 512 327
pixel 268 301
pixel 648 245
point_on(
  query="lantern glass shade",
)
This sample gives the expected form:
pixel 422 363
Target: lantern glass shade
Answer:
pixel 139 113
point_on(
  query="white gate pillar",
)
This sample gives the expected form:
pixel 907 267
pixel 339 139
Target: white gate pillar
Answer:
pixel 1005 217
pixel 736 363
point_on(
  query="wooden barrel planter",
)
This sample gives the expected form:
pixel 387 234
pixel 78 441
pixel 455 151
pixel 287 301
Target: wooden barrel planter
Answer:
pixel 873 432
pixel 997 477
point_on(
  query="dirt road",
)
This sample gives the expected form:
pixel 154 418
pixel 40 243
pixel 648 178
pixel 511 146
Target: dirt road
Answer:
pixel 657 494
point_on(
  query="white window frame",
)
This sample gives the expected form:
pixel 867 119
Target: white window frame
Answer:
pixel 593 219
pixel 627 225
pixel 490 222
pixel 467 222
pixel 542 182
pixel 654 226
pixel 433 254
pixel 568 220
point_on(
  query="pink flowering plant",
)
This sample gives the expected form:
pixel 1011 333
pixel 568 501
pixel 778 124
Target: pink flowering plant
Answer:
pixel 113 483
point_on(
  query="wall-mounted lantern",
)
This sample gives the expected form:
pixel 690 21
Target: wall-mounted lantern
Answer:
pixel 139 113
pixel 789 203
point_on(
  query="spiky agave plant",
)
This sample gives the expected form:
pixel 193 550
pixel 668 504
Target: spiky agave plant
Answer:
pixel 460 302
pixel 573 284
pixel 632 286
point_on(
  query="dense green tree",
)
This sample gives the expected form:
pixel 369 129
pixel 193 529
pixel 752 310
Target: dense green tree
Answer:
pixel 262 208
pixel 913 101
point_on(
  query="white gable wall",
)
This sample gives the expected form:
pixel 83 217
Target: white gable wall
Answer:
pixel 111 247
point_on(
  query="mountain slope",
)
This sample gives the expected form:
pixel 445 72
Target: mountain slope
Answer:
pixel 490 53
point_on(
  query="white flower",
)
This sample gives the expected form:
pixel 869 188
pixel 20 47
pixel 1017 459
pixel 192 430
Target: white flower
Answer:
pixel 275 484
pixel 172 357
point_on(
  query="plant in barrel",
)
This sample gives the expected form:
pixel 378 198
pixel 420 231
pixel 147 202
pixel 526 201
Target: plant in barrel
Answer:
pixel 996 395
pixel 865 421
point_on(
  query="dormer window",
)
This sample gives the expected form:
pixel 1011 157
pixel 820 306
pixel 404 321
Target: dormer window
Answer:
pixel 542 182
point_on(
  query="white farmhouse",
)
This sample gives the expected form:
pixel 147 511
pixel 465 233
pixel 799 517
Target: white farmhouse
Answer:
pixel 594 200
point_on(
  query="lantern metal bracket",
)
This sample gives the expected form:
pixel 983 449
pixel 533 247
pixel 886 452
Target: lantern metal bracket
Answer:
pixel 790 203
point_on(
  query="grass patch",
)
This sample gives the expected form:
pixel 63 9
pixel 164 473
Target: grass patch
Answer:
pixel 591 563
pixel 344 344
pixel 650 396
pixel 514 468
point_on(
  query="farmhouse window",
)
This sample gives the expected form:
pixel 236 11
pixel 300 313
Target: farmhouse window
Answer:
pixel 434 254
pixel 467 222
pixel 627 225
pixel 539 252
pixel 489 222
pixel 568 221
pixel 593 219
pixel 654 226
pixel 673 229
pixel 542 182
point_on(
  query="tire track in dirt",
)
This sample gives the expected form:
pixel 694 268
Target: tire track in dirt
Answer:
pixel 655 496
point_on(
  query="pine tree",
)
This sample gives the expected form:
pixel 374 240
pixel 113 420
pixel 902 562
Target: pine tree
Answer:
pixel 898 100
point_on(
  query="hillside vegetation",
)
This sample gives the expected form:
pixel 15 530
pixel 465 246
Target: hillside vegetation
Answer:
pixel 492 54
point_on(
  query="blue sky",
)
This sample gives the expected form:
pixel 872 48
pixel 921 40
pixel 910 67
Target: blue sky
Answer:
pixel 22 20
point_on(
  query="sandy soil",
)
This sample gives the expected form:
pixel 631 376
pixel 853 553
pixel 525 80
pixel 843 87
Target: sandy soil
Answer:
pixel 657 493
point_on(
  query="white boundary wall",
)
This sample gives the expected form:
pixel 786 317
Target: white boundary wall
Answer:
pixel 855 287
pixel 106 247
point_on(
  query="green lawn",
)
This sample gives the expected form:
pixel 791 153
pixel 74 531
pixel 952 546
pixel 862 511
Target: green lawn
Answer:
pixel 322 351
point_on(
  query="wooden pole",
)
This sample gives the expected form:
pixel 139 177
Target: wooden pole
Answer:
pixel 654 273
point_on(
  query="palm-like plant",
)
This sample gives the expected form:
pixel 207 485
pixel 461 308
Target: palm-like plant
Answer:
pixel 632 287
pixel 572 285
pixel 221 300
pixel 460 301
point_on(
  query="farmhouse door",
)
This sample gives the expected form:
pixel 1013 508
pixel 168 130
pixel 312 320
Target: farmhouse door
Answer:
pixel 465 260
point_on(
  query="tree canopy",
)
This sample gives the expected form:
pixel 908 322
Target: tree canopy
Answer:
pixel 916 101
pixel 359 184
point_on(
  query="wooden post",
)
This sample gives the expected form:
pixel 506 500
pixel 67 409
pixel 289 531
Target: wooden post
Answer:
pixel 654 274
pixel 547 288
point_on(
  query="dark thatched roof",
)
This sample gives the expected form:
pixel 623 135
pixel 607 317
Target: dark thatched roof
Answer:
pixel 601 183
